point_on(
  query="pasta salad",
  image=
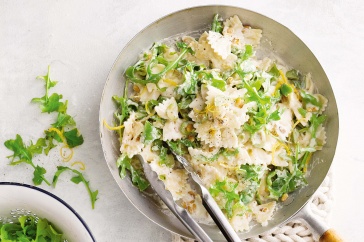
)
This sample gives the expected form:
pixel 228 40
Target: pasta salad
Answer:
pixel 247 125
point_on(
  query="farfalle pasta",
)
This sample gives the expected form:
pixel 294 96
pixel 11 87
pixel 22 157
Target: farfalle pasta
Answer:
pixel 247 125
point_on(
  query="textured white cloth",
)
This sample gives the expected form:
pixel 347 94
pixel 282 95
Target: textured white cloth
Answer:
pixel 295 230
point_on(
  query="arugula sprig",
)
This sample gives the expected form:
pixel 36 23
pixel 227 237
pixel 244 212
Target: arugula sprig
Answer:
pixel 251 174
pixel 24 154
pixel 296 78
pixel 195 75
pixel 137 177
pixel 214 79
pixel 150 133
pixel 315 121
pixel 165 156
pixel 227 189
pixel 157 59
pixel 49 103
pixel 308 98
pixel 64 121
pixel 243 54
pixel 78 178
pixel 189 85
pixel 226 152
pixel 63 130
pixel 181 146
pixel 263 114
pixel 282 181
pixel 217 24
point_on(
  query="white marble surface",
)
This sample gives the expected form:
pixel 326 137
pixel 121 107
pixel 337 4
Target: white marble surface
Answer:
pixel 81 40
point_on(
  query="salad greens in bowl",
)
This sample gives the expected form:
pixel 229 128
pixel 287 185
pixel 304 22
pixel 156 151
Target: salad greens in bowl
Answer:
pixel 29 213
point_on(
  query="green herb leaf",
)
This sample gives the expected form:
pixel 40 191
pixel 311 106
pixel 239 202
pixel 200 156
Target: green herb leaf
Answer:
pixel 63 119
pixel 212 158
pixel 308 98
pixel 185 102
pixel 227 189
pixel 280 182
pixel 218 83
pixel 274 71
pixel 50 104
pixel 48 82
pixel 302 111
pixel 73 138
pixel 150 133
pixel 223 151
pixel 248 52
pixel 216 24
pixel 180 146
pixel 164 158
pixel 167 160
pixel 78 178
pixel 304 160
pixel 37 148
pixel 184 49
pixel 285 89
pixel 189 85
pixel 154 78
pixel 254 96
pixel 315 122
pixel 292 75
pixel 261 116
pixel 274 116
pixel 123 108
pixel 8 232
pixel 53 103
pixel 257 84
pixel 18 147
pixel 39 175
pixel 251 174
pixel 24 154
pixel 130 74
pixel 124 164
pixel 50 136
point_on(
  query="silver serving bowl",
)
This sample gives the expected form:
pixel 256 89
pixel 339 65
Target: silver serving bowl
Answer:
pixel 278 41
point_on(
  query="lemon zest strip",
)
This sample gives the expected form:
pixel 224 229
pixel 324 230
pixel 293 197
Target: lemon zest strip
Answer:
pixel 284 78
pixel 80 163
pixel 228 167
pixel 146 107
pixel 171 82
pixel 308 161
pixel 110 127
pixel 66 158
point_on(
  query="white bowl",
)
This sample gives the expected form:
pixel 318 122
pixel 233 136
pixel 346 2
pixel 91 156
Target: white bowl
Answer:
pixel 44 205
